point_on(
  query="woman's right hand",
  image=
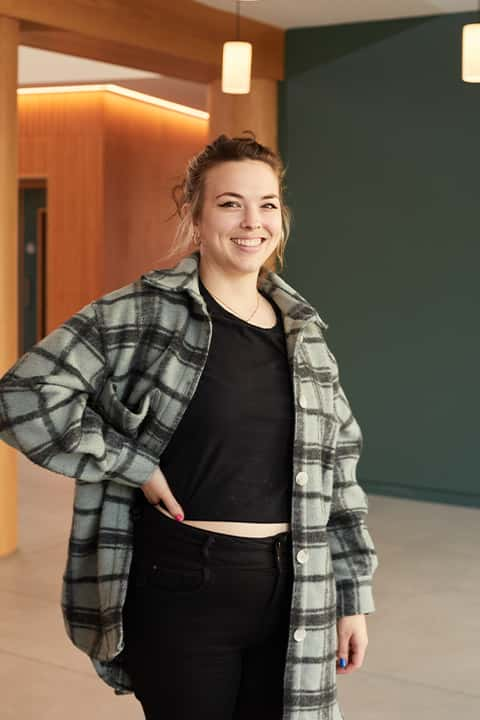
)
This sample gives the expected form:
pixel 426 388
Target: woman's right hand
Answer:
pixel 157 489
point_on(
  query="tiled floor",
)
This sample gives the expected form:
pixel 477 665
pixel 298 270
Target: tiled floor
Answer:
pixel 423 658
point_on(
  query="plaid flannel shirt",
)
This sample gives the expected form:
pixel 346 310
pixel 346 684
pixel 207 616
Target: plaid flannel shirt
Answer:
pixel 98 400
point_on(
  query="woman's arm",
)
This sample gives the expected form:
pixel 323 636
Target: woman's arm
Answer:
pixel 46 408
pixel 353 553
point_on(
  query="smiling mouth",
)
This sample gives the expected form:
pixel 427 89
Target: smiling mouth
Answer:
pixel 248 242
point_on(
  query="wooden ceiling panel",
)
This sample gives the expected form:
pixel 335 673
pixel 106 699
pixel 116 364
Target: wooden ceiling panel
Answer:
pixel 155 35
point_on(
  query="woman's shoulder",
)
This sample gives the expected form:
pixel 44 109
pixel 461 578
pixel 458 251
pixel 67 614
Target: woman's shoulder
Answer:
pixel 138 306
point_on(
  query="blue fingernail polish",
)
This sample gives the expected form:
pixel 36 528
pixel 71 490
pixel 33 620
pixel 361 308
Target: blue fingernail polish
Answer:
pixel 343 663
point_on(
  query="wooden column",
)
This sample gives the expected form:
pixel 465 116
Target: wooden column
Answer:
pixel 257 111
pixel 9 40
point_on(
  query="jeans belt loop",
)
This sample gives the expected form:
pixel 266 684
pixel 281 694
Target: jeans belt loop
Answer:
pixel 205 548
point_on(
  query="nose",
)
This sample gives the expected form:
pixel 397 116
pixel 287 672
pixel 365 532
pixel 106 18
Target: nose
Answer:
pixel 251 219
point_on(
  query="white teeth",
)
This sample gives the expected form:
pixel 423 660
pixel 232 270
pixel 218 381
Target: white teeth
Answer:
pixel 251 243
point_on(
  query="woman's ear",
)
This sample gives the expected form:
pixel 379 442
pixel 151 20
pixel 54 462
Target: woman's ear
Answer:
pixel 184 209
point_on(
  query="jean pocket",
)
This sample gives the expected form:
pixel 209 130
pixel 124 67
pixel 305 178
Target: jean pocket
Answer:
pixel 177 580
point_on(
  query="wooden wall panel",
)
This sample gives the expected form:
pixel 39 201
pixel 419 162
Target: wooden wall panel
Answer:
pixel 256 110
pixel 61 139
pixel 146 151
pixel 110 164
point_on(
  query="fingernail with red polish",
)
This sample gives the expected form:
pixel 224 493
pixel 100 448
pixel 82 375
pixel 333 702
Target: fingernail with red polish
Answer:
pixel 179 517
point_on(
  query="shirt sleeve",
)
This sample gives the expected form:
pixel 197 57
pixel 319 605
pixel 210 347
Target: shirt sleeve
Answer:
pixel 47 408
pixel 352 550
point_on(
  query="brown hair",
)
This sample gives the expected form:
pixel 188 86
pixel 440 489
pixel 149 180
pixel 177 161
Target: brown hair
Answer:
pixel 191 190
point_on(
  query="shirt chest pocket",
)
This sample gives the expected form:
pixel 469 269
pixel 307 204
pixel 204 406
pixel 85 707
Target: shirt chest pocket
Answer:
pixel 126 415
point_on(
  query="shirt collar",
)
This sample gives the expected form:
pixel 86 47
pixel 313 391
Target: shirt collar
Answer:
pixel 184 277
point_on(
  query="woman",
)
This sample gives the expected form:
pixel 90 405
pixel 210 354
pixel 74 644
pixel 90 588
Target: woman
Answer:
pixel 227 583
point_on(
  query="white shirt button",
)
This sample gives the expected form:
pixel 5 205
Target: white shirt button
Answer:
pixel 301 478
pixel 302 556
pixel 302 400
pixel 299 634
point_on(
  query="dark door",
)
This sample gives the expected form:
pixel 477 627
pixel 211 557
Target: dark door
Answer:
pixel 32 238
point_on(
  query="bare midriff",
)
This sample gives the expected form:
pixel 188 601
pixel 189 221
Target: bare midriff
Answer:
pixel 243 529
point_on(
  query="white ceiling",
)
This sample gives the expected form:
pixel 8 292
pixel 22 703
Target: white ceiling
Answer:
pixel 310 13
pixel 40 67
pixel 36 66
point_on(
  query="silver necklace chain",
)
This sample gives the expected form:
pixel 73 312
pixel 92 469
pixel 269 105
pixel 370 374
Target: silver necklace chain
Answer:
pixel 235 313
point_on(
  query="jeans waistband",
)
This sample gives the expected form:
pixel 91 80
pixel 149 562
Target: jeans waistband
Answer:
pixel 159 533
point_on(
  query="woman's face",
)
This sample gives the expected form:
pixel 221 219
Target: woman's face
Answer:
pixel 241 200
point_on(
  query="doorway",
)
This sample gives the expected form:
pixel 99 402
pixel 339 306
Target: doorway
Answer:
pixel 32 261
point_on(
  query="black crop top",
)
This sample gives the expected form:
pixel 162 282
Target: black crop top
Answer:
pixel 230 458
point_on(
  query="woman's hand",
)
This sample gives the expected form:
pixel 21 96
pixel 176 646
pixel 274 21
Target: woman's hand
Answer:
pixel 156 489
pixel 352 642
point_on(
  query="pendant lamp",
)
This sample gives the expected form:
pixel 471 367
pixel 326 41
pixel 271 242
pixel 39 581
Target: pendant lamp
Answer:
pixel 237 62
pixel 471 51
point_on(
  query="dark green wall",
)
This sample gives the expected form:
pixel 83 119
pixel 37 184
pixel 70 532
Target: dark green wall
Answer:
pixel 382 143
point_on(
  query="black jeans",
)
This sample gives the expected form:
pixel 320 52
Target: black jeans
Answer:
pixel 206 621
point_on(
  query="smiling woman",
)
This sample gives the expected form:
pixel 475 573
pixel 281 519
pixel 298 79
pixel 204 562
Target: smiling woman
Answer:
pixel 249 226
pixel 238 238
pixel 206 182
pixel 218 370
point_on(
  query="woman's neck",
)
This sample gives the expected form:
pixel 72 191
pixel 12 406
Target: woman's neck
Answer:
pixel 239 293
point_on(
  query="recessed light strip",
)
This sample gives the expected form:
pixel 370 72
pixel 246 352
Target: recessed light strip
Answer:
pixel 117 90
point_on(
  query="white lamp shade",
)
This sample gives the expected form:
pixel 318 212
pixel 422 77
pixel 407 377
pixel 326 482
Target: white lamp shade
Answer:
pixel 236 67
pixel 471 53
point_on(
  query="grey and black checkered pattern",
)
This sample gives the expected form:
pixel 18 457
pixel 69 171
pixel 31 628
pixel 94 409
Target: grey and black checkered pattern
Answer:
pixel 98 400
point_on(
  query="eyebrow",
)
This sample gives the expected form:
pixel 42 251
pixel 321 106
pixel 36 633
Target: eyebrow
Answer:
pixel 264 197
